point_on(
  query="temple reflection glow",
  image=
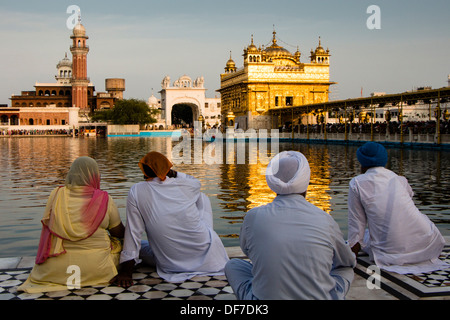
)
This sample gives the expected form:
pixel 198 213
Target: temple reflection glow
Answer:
pixel 31 167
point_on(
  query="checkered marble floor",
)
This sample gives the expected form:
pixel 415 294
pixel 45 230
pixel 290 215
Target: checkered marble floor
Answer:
pixel 432 284
pixel 148 285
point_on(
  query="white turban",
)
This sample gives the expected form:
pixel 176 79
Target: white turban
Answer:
pixel 288 172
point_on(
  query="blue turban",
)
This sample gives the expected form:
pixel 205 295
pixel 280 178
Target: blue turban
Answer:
pixel 372 154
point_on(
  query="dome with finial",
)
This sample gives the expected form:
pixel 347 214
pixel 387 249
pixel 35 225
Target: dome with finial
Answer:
pixel 152 101
pixel 297 54
pixel 65 62
pixel 275 50
pixel 79 30
pixel 231 66
pixel 252 48
pixel 319 48
pixel 230 62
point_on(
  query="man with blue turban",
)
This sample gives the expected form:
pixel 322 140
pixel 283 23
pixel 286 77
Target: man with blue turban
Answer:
pixel 297 251
pixel 384 222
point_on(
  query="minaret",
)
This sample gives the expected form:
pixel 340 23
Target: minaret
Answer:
pixel 80 81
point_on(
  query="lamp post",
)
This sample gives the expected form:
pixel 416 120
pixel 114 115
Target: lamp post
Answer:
pixel 438 118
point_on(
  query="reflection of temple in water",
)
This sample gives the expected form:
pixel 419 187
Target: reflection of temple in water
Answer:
pixel 30 167
pixel 244 186
pixel 319 185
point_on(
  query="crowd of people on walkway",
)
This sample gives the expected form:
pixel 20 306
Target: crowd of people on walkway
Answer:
pixel 295 250
pixel 393 127
pixel 35 132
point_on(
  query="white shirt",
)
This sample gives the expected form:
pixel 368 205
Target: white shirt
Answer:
pixel 297 251
pixel 400 238
pixel 177 218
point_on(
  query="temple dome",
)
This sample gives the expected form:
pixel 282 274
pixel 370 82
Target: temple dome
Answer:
pixel 152 100
pixel 65 62
pixel 79 30
pixel 277 51
pixel 252 48
pixel 230 63
pixel 319 48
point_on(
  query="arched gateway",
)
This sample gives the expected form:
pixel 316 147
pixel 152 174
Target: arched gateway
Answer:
pixel 183 94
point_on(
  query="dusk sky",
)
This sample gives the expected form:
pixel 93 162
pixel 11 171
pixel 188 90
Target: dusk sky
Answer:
pixel 143 41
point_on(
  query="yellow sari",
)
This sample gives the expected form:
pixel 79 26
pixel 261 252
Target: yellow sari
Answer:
pixel 75 248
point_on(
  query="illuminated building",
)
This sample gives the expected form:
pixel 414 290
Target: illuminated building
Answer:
pixel 272 78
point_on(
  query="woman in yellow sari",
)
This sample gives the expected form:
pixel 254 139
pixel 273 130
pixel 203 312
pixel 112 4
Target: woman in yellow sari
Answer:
pixel 78 245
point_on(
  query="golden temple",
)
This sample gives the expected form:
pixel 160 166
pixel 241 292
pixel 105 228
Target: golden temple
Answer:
pixel 271 78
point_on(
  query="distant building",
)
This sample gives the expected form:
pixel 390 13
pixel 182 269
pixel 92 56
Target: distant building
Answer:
pixel 185 101
pixel 272 78
pixel 68 101
pixel 155 104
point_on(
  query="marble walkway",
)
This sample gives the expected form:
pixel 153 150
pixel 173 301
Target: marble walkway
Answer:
pixel 148 285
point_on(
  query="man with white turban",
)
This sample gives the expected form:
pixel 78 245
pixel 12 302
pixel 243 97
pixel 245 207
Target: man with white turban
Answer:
pixel 384 222
pixel 297 251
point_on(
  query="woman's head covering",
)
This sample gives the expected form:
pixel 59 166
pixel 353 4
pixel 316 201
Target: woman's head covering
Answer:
pixel 372 154
pixel 83 172
pixel 157 162
pixel 73 212
pixel 288 172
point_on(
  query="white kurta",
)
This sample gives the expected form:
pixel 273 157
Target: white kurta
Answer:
pixel 297 251
pixel 177 218
pixel 400 238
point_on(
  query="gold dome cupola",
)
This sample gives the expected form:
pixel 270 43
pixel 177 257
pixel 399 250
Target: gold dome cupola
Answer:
pixel 320 55
pixel 277 51
pixel 252 54
pixel 231 66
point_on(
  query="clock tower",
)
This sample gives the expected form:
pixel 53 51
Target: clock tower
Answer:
pixel 80 80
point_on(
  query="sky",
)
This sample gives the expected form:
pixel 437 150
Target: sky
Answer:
pixel 143 41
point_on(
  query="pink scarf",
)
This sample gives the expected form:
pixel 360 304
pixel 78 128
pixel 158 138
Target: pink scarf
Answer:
pixel 83 182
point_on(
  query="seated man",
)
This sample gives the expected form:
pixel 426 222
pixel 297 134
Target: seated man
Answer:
pixel 297 251
pixel 177 219
pixel 399 237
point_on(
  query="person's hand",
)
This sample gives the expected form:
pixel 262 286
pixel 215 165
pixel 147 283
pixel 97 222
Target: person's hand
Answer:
pixel 123 280
pixel 172 174
pixel 356 248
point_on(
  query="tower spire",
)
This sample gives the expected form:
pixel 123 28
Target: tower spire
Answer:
pixel 80 80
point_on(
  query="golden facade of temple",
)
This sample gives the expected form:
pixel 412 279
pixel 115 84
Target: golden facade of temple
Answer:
pixel 272 78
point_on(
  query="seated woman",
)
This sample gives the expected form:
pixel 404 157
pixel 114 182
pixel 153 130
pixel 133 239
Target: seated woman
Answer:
pixel 80 228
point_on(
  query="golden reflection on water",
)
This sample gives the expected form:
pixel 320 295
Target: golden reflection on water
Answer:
pixel 244 187
pixel 319 184
pixel 30 167
pixel 252 179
